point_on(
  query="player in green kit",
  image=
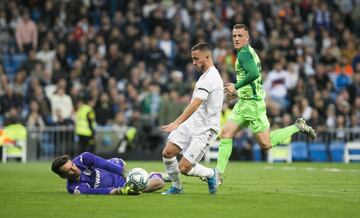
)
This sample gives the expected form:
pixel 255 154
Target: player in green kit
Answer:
pixel 250 110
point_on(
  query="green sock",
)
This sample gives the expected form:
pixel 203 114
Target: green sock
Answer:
pixel 225 149
pixel 280 136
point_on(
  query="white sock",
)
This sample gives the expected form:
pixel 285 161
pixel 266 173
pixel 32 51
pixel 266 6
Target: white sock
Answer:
pixel 201 171
pixel 172 169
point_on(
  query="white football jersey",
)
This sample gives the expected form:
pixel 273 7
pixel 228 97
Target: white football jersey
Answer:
pixel 210 89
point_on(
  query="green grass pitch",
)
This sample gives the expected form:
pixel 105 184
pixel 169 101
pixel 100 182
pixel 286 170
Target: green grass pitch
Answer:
pixel 250 190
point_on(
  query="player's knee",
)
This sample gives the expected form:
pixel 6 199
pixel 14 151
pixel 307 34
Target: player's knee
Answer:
pixel 160 184
pixel 265 146
pixel 225 134
pixel 167 153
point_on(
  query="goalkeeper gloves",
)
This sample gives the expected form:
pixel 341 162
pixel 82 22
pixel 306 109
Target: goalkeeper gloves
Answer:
pixel 127 191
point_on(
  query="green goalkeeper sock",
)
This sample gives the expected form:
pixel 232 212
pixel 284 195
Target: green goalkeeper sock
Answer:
pixel 280 136
pixel 225 149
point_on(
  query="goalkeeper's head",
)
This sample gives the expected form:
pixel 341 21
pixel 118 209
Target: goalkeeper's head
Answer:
pixel 65 168
pixel 240 36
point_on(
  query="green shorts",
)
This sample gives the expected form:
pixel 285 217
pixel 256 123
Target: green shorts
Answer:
pixel 250 114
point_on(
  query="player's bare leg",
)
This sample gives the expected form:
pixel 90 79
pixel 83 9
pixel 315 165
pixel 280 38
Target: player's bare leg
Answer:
pixel 211 175
pixel 268 139
pixel 155 183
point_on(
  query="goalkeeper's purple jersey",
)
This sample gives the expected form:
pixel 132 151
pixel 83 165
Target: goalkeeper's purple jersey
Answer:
pixel 98 176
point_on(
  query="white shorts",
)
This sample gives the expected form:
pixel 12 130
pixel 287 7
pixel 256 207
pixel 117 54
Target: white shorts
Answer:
pixel 193 146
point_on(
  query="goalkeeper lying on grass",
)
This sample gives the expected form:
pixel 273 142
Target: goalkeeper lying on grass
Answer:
pixel 90 174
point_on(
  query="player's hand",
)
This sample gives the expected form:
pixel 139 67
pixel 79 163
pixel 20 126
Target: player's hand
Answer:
pixel 170 127
pixel 127 191
pixel 230 92
pixel 230 88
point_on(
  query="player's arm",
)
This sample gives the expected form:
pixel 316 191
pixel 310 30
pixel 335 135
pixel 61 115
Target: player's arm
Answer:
pixel 201 94
pixel 84 188
pixel 91 160
pixel 246 60
pixel 189 110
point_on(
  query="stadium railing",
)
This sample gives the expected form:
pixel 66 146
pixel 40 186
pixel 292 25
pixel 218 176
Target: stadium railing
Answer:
pixel 46 143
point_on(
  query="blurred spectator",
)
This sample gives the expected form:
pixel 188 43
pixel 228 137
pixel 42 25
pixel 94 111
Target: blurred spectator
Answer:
pixel 342 81
pixel 61 105
pixel 340 128
pixel 322 79
pixel 331 116
pixel 19 84
pixel 150 104
pixel 26 33
pixel 322 17
pixel 13 116
pixel 46 56
pixel 183 55
pixel 327 58
pixel 35 118
pixel 275 85
pixel 167 45
pixel 292 77
pixel 30 63
pixel 114 59
pixel 85 124
pixel 177 83
pixel 5 36
pixel 220 32
pixel 10 100
pixel 304 108
pixel 155 56
pixel 220 51
pixel 171 107
pixel 103 110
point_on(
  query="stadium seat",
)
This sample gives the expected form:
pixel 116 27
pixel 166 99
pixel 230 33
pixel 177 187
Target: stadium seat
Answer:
pixel 18 60
pixel 256 152
pixel 336 149
pixel 212 152
pixel 280 153
pixel 299 151
pixel 18 133
pixel 318 152
pixel 47 147
pixel 352 152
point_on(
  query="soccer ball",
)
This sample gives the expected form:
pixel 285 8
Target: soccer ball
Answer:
pixel 137 179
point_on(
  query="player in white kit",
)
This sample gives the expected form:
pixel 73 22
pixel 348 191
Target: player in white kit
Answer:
pixel 197 127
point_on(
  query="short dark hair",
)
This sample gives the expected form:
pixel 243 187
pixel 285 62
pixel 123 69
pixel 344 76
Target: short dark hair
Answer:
pixel 58 163
pixel 202 46
pixel 241 26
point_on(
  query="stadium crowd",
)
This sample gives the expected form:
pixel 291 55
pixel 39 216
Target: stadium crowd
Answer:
pixel 133 58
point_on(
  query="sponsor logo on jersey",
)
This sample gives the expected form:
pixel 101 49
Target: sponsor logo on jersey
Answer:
pixel 97 178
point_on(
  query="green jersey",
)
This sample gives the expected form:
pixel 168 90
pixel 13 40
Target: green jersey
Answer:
pixel 248 74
